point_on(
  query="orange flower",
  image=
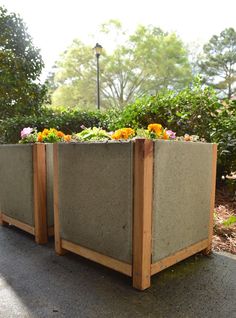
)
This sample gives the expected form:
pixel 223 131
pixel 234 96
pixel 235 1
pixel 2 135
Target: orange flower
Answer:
pixel 40 137
pixel 60 134
pixel 187 137
pixel 67 138
pixel 165 135
pixel 123 133
pixel 156 128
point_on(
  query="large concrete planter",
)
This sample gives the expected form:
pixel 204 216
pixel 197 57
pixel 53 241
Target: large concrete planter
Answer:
pixel 136 207
pixel 25 184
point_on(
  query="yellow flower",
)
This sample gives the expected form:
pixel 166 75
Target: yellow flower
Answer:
pixel 45 132
pixel 67 138
pixel 156 128
pixel 123 133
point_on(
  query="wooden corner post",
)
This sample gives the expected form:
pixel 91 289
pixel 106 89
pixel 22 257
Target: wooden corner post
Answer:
pixel 58 246
pixel 40 200
pixel 212 204
pixel 142 214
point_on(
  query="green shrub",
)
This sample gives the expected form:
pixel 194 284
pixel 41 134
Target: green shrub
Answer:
pixel 223 132
pixel 196 111
pixel 67 121
pixel 189 111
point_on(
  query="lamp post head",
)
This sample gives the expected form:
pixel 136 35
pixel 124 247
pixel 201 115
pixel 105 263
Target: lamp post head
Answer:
pixel 97 50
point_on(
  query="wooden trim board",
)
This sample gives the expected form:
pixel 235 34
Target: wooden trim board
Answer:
pixel 178 256
pixel 51 231
pixel 142 213
pixel 5 219
pixel 23 226
pixel 212 204
pixel 107 261
pixel 58 246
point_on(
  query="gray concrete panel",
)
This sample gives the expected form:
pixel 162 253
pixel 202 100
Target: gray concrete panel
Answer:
pixel 182 191
pixel 16 182
pixel 95 196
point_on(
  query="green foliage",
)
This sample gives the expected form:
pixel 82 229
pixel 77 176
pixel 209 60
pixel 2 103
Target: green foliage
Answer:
pixel 90 134
pixel 230 221
pixel 188 111
pixel 74 82
pixel 218 62
pixel 67 121
pixel 195 111
pixel 20 67
pixel 223 132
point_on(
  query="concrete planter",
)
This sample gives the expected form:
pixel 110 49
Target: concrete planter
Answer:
pixel 24 186
pixel 136 207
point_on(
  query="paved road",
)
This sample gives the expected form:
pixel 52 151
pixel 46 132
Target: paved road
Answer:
pixel 34 282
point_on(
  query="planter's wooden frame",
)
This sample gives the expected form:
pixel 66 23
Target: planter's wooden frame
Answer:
pixel 40 230
pixel 142 267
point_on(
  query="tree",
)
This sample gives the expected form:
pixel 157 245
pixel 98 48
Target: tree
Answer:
pixel 20 67
pixel 148 61
pixel 74 80
pixel 218 62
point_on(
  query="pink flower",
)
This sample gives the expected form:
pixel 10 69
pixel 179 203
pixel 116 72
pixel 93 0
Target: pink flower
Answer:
pixel 171 134
pixel 26 132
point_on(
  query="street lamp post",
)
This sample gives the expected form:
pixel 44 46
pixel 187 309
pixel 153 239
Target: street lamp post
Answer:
pixel 98 51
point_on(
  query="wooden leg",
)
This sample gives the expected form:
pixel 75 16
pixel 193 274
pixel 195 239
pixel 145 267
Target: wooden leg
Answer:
pixel 142 218
pixel 40 210
pixel 58 245
pixel 1 220
pixel 208 250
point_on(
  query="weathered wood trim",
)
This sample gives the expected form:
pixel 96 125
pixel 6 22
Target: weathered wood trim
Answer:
pixel 40 204
pixel 51 231
pixel 107 261
pixel 142 215
pixel 11 221
pixel 178 256
pixel 212 206
pixel 58 246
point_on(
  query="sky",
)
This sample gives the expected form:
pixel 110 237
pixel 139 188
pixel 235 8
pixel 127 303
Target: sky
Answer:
pixel 53 24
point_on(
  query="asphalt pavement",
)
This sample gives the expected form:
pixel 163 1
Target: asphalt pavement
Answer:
pixel 35 282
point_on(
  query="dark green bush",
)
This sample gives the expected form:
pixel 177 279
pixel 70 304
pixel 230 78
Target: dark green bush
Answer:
pixel 223 132
pixel 189 111
pixel 67 121
pixel 196 111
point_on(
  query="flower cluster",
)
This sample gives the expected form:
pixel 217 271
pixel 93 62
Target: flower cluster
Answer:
pixel 52 135
pixel 91 134
pixel 192 138
pixel 153 131
pixel 156 131
pixel 30 135
pixel 123 134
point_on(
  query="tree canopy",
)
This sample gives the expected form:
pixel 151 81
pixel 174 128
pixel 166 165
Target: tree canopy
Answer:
pixel 20 67
pixel 218 62
pixel 148 61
